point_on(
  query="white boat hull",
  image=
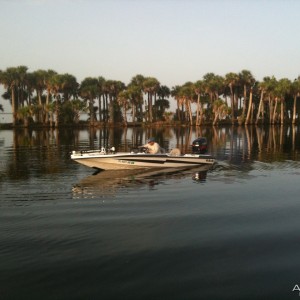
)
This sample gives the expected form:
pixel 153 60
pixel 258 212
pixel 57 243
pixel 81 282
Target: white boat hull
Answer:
pixel 125 160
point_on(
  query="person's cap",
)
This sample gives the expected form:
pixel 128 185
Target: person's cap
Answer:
pixel 151 140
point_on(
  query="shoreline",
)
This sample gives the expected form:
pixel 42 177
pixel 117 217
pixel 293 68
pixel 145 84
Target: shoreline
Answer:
pixel 84 125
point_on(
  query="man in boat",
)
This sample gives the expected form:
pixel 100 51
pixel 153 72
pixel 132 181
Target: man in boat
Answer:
pixel 153 147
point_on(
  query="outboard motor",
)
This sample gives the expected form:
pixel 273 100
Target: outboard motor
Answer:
pixel 199 145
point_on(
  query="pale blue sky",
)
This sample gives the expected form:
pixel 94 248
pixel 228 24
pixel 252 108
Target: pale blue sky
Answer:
pixel 173 40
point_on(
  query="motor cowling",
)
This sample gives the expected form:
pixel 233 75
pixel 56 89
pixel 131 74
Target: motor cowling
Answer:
pixel 199 145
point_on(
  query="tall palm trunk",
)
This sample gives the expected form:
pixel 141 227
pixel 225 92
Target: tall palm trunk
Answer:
pixel 56 113
pixel 245 100
pixel 201 114
pixel 111 111
pixel 178 110
pixel 105 108
pixel 232 103
pixel 215 119
pixel 275 109
pixel 270 110
pixel 47 107
pixel 133 113
pixel 154 112
pixel 282 111
pixel 150 107
pixel 140 111
pixel 249 108
pixel 260 106
pixel 294 109
pixel 14 106
pixel 91 107
pixel 100 109
pixel 125 115
pixel 189 110
pixel 40 108
pixel 198 110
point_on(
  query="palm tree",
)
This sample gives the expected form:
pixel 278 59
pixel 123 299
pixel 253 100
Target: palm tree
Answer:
pixel 213 87
pixel 49 74
pixel 186 96
pixel 150 87
pixel 137 80
pixel 88 91
pixel 101 95
pixel 136 87
pixel 282 90
pixel 199 90
pixel 250 106
pixel 175 94
pixel 51 109
pixel 262 86
pixel 232 81
pixel 162 103
pixel 12 79
pixel 63 88
pixel 295 91
pixel 271 94
pixel 112 88
pixel 136 101
pixel 266 88
pixel 55 83
pixel 77 107
pixel 38 78
pixel 213 84
pixel 220 109
pixel 69 87
pixel 247 80
pixel 24 113
pixel 267 93
pixel 123 100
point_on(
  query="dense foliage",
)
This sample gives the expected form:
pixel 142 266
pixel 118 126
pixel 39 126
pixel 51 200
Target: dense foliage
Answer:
pixel 47 98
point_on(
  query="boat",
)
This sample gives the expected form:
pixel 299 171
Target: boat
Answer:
pixel 109 159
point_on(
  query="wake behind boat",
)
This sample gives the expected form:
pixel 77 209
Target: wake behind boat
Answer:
pixel 109 159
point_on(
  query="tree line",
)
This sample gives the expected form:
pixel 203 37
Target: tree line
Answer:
pixel 47 98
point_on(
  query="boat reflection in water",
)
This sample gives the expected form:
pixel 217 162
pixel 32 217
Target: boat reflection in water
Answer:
pixel 104 183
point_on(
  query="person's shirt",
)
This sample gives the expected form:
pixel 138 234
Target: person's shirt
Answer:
pixel 154 148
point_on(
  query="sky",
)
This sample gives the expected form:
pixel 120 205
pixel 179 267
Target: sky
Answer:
pixel 174 41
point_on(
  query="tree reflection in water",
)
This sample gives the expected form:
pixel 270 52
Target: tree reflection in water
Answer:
pixel 33 153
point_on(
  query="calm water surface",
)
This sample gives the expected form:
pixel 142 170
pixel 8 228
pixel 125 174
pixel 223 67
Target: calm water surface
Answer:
pixel 232 232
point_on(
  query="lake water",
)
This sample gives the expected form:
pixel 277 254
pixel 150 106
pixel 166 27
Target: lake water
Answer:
pixel 232 232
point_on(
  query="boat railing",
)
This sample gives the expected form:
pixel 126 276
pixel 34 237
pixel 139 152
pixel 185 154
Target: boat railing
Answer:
pixel 102 150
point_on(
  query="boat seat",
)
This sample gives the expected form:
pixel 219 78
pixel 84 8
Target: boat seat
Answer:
pixel 175 152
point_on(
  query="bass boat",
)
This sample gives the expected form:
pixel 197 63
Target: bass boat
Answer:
pixel 109 159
